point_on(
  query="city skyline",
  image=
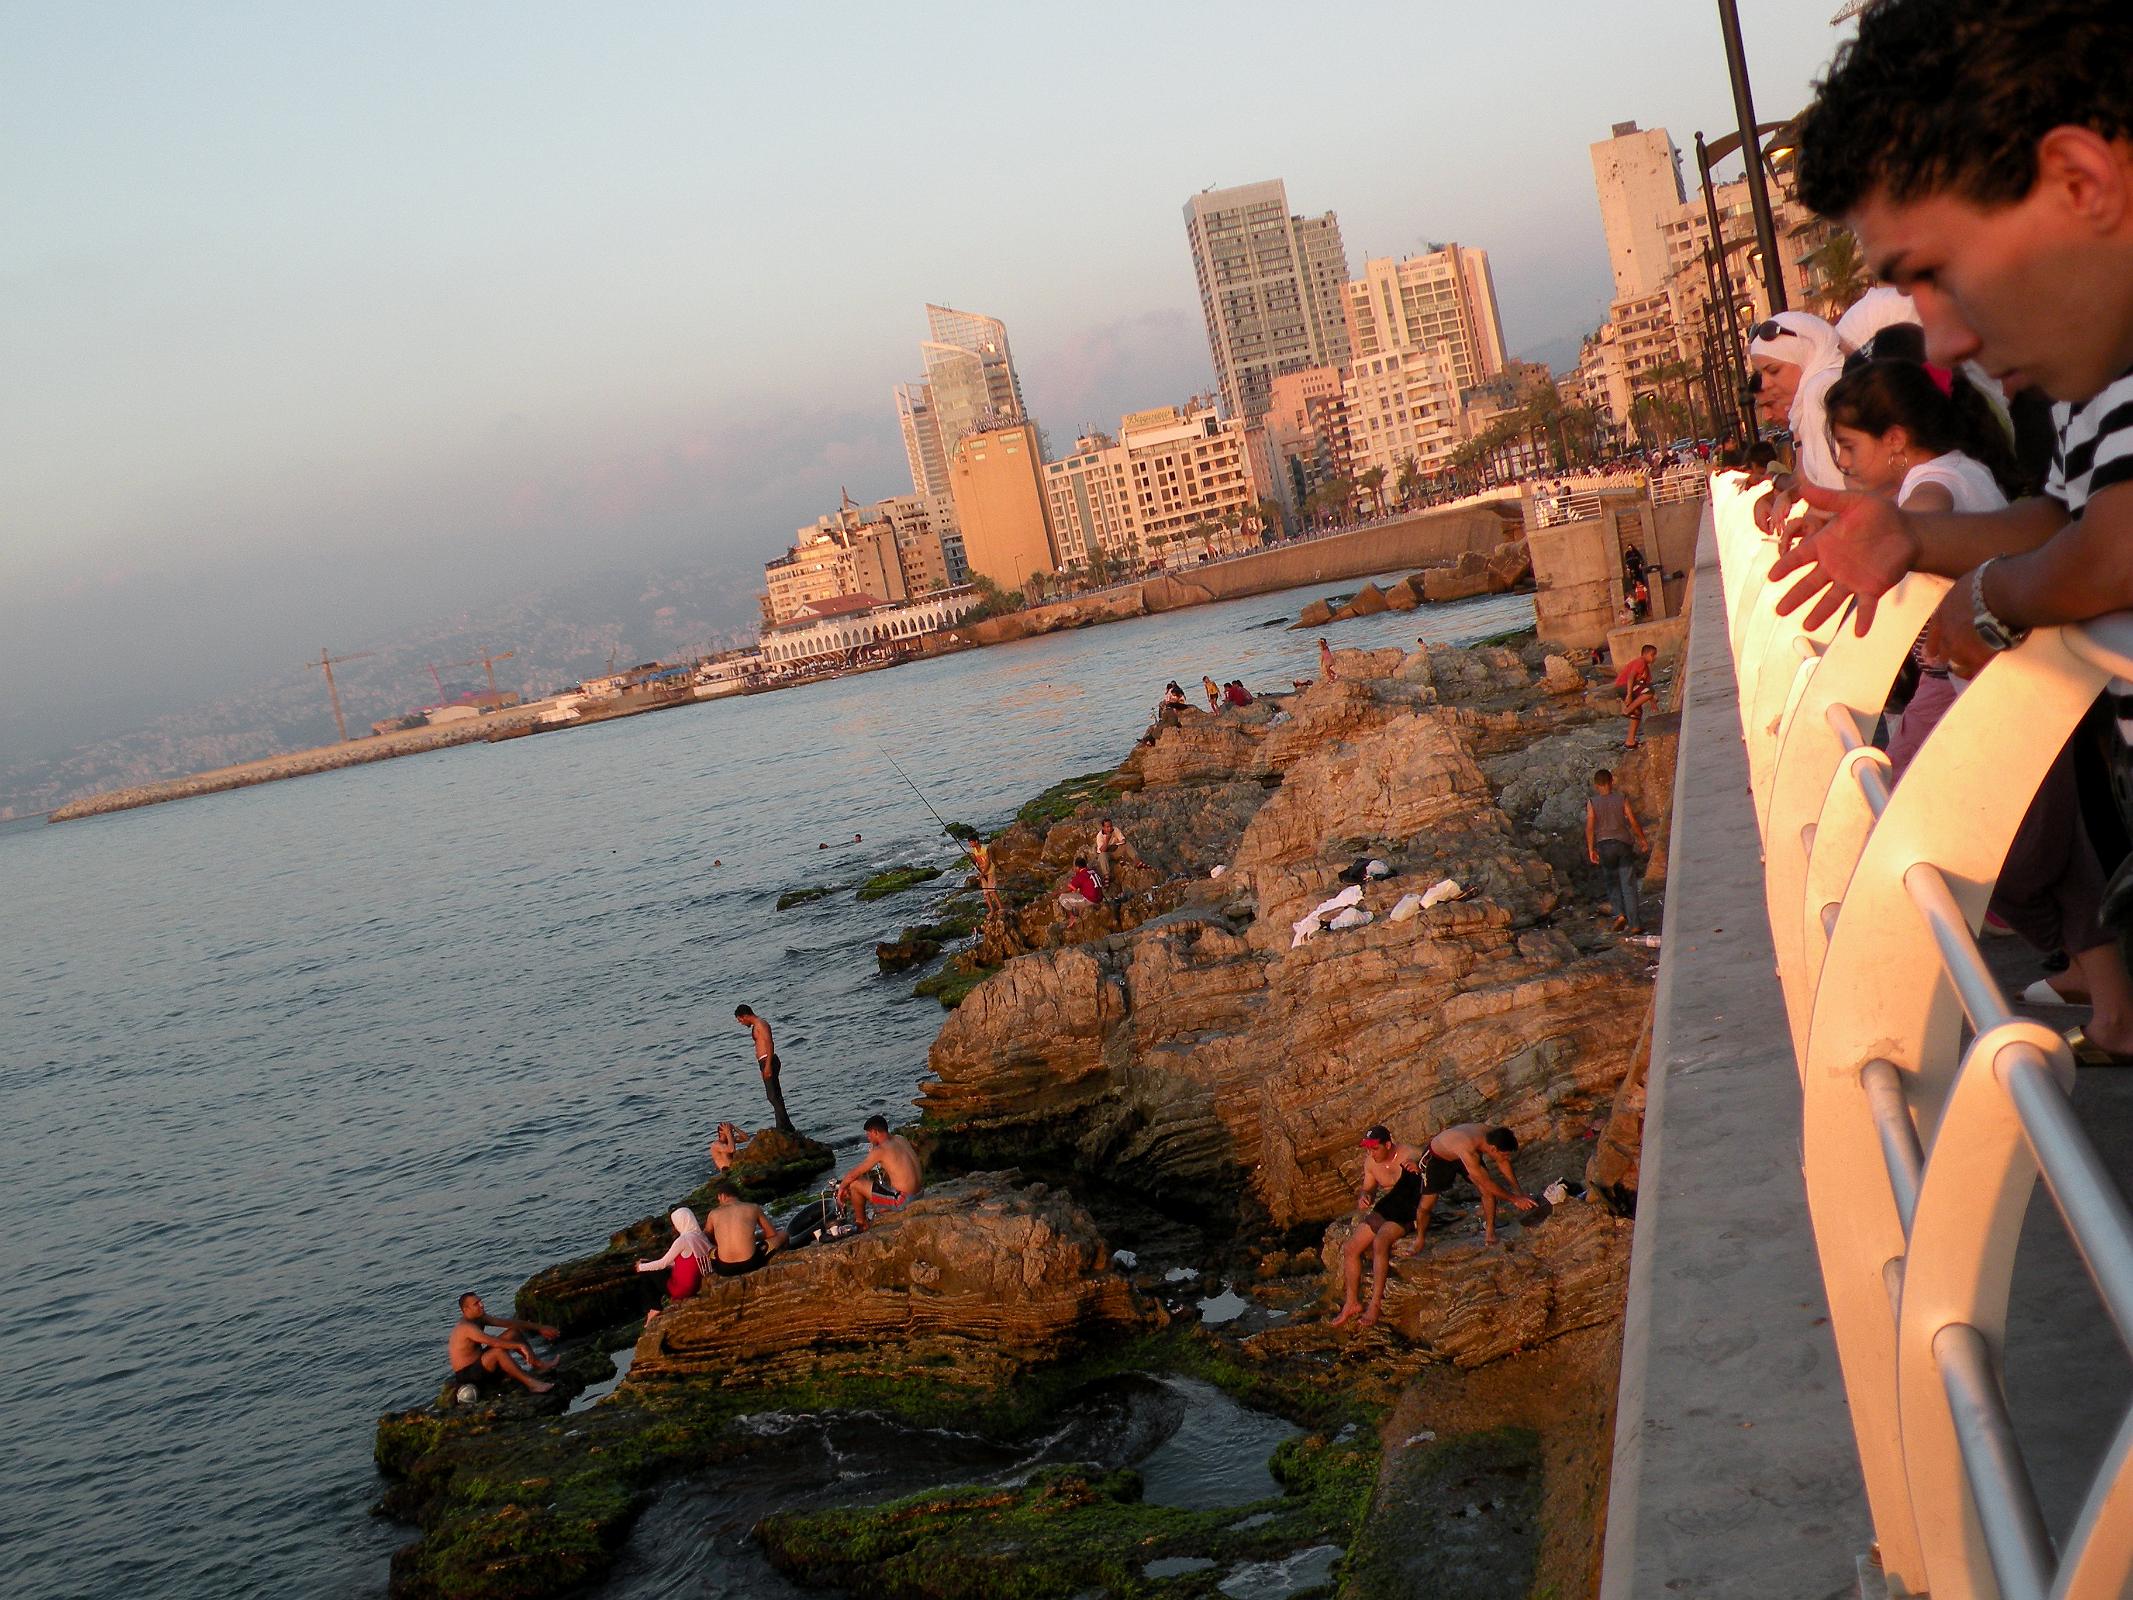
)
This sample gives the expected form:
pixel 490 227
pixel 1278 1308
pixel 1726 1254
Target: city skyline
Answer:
pixel 273 353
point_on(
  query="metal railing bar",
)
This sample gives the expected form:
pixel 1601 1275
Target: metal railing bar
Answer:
pixel 1900 1151
pixel 1892 1286
pixel 2089 1203
pixel 1975 986
pixel 1845 726
pixel 2000 1490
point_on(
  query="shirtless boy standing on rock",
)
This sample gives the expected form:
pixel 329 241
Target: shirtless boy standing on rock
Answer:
pixel 475 1352
pixel 767 1062
pixel 744 1237
pixel 897 1178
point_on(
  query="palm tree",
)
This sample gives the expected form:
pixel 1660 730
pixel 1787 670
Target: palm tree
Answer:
pixel 1372 483
pixel 1840 273
pixel 1269 514
pixel 1409 481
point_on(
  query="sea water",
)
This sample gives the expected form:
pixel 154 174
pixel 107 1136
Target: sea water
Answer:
pixel 284 1070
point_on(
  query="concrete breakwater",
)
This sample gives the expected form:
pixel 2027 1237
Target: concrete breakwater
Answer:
pixel 1175 1076
pixel 299 763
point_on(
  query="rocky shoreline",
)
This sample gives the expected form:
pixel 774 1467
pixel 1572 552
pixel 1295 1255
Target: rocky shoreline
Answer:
pixel 1153 1102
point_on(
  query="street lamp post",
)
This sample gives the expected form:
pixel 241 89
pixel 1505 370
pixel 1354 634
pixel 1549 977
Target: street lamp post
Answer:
pixel 1750 139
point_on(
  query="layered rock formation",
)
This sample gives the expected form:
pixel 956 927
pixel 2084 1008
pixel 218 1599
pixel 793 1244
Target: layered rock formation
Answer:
pixel 1198 1057
pixel 1469 1303
pixel 974 1280
pixel 597 1291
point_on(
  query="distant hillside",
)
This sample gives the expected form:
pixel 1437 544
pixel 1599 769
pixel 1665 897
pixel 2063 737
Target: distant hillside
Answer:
pixel 558 636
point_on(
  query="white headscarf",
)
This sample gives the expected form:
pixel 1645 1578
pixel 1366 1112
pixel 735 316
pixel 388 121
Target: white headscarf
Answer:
pixel 1878 308
pixel 689 1239
pixel 1810 344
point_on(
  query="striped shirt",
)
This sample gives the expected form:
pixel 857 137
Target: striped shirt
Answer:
pixel 2095 447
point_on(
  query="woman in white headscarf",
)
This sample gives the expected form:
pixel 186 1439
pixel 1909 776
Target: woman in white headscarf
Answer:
pixel 1875 312
pixel 1798 358
pixel 687 1259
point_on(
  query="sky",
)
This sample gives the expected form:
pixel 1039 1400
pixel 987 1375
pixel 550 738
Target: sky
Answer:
pixel 320 320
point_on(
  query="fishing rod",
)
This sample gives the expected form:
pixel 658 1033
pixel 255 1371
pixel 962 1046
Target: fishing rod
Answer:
pixel 922 800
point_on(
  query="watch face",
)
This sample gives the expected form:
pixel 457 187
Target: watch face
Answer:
pixel 1989 630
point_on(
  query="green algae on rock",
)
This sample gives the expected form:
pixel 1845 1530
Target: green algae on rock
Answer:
pixel 800 897
pixel 896 880
pixel 1065 798
pixel 1067 1531
pixel 1460 1516
pixel 952 983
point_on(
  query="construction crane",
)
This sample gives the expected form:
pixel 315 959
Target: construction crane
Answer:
pixel 487 663
pixel 327 663
pixel 436 680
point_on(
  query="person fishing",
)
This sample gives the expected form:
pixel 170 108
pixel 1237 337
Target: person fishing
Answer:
pixel 979 852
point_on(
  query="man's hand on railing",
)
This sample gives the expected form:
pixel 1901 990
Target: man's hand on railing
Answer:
pixel 1862 552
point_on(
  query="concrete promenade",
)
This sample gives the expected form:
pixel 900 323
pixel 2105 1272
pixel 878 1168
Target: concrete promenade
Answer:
pixel 1735 1474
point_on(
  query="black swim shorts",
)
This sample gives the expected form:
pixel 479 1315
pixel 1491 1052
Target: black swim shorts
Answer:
pixel 741 1269
pixel 1439 1174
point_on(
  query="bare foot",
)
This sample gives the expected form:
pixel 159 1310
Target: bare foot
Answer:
pixel 1369 1319
pixel 1346 1313
pixel 1619 924
pixel 539 1387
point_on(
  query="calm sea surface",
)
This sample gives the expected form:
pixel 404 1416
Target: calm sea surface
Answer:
pixel 284 1070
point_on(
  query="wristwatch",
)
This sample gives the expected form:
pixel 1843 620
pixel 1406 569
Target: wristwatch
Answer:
pixel 1996 634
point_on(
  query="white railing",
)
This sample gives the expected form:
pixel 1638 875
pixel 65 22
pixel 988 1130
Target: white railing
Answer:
pixel 1875 892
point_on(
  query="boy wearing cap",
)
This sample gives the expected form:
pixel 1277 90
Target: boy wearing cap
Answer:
pixel 1391 1193
pixel 1983 157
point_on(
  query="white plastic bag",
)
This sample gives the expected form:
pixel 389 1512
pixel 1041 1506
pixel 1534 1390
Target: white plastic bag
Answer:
pixel 1410 905
pixel 1440 891
pixel 1353 917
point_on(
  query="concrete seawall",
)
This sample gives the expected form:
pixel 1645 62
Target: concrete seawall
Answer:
pixel 1735 1476
pixel 296 764
pixel 1425 537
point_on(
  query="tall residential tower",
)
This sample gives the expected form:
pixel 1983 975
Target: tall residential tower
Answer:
pixel 1271 288
pixel 1443 299
pixel 1638 175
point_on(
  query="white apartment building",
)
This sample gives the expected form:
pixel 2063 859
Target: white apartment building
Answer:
pixel 1271 288
pixel 1187 468
pixel 1442 298
pixel 1402 406
pixel 1090 496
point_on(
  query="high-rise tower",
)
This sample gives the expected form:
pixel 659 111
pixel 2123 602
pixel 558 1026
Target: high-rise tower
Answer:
pixel 1271 287
pixel 1638 175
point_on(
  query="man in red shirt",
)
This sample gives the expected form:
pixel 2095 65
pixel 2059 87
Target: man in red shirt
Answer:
pixel 1084 889
pixel 1635 683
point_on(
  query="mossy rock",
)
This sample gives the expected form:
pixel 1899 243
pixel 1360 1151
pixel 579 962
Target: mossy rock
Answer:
pixel 772 1163
pixel 525 1508
pixel 1065 798
pixel 952 984
pixel 895 881
pixel 800 897
pixel 1460 1516
pixel 911 948
pixel 1068 1531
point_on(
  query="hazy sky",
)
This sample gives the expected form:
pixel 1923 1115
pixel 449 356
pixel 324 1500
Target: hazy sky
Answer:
pixel 318 320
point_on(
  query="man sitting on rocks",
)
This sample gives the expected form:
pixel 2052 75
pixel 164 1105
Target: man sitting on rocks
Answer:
pixel 1462 1149
pixel 475 1352
pixel 897 1179
pixel 725 1145
pixel 1084 889
pixel 1109 836
pixel 743 1235
pixel 1392 1190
